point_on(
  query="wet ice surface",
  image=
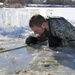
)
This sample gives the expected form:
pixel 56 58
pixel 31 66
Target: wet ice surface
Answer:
pixel 27 60
pixel 34 61
pixel 14 60
pixel 49 61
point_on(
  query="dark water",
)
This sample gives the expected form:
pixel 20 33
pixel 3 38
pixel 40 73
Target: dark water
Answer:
pixel 19 59
pixel 15 60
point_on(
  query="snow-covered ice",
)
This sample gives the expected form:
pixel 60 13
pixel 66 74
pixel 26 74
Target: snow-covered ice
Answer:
pixel 13 31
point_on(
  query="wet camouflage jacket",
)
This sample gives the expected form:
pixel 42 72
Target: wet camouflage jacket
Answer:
pixel 60 27
pixel 63 29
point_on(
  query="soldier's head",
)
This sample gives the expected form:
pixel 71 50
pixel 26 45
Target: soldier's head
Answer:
pixel 38 23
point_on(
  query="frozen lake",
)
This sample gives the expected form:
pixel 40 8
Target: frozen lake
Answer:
pixel 14 61
pixel 32 61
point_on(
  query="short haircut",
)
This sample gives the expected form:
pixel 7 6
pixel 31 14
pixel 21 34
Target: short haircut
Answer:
pixel 36 20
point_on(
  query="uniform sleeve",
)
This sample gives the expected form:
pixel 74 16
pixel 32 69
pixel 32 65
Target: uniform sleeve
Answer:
pixel 63 29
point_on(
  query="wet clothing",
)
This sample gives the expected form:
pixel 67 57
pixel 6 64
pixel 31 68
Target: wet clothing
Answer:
pixel 54 41
pixel 61 32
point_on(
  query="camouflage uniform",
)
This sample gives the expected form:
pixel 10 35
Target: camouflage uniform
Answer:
pixel 61 28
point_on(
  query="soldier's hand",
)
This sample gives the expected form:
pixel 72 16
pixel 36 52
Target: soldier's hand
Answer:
pixel 31 40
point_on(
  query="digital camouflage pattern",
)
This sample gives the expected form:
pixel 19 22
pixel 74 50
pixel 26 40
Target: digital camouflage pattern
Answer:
pixel 61 28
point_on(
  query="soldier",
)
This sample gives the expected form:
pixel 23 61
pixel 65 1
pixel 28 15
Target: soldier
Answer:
pixel 57 30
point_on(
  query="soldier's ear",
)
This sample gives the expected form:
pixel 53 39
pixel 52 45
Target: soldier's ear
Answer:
pixel 44 25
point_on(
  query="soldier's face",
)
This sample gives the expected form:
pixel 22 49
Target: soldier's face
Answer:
pixel 37 30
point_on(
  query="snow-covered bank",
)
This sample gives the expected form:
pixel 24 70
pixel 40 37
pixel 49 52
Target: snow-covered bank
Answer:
pixel 15 22
pixel 20 17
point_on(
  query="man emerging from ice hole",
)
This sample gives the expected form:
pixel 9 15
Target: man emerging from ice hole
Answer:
pixel 57 30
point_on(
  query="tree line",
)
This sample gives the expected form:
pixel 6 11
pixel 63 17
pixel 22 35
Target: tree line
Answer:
pixel 62 2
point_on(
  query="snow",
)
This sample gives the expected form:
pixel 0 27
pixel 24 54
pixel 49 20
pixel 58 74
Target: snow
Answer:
pixel 13 31
pixel 1 3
